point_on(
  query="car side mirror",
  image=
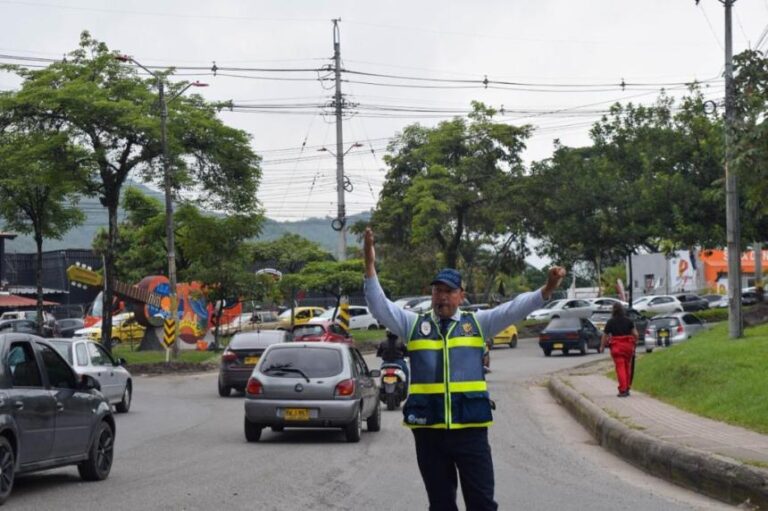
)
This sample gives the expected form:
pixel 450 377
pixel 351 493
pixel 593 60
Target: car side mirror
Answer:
pixel 121 362
pixel 374 373
pixel 88 382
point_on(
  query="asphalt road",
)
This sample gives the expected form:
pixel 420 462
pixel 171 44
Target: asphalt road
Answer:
pixel 182 447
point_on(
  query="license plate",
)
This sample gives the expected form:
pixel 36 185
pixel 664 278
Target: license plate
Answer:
pixel 390 379
pixel 296 414
pixel 251 361
pixel 557 346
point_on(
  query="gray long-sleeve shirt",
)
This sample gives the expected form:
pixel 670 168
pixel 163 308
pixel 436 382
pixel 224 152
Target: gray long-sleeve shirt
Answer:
pixel 492 321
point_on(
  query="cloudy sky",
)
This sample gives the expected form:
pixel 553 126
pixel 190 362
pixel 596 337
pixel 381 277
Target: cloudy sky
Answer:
pixel 554 64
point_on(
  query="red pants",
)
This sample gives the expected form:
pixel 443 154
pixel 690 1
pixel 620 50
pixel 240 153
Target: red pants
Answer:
pixel 622 352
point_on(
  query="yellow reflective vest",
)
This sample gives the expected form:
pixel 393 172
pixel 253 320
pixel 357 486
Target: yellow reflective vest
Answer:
pixel 448 388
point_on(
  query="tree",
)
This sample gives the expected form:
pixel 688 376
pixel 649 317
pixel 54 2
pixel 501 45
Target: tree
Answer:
pixel 40 177
pixel 106 109
pixel 335 278
pixel 445 187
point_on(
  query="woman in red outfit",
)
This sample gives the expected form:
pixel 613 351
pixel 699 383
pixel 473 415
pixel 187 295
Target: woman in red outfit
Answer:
pixel 620 335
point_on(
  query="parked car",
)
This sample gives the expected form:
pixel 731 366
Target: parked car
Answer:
pixel 605 303
pixel 666 329
pixel 49 416
pixel 507 336
pixel 600 318
pixel 67 327
pixel 566 308
pixel 749 297
pixel 657 304
pixel 312 385
pixel 692 302
pixel 716 301
pixel 25 326
pixel 360 317
pixel 88 357
pixel 125 328
pixel 569 334
pixel 321 331
pixel 242 355
pixel 409 301
pixel 301 315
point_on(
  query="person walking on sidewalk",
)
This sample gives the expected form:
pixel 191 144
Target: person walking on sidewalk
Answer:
pixel 620 335
pixel 448 408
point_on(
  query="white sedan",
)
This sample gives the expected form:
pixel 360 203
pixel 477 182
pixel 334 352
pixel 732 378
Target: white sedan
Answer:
pixel 657 304
pixel 569 308
pixel 359 318
pixel 606 303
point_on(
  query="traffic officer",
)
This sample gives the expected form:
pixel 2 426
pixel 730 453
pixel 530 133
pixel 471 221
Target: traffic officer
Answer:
pixel 448 408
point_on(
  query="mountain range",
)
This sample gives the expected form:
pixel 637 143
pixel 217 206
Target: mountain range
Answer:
pixel 317 230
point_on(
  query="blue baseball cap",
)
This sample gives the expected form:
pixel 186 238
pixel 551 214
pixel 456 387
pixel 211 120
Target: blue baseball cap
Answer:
pixel 450 277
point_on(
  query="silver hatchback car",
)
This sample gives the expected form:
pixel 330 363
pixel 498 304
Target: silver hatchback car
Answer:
pixel 312 385
pixel 666 329
pixel 88 357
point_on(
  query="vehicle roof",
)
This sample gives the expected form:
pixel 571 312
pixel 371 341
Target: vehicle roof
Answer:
pixel 257 338
pixel 319 345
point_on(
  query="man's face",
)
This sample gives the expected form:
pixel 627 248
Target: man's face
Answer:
pixel 445 301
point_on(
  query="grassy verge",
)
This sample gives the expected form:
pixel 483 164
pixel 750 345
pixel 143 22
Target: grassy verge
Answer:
pixel 156 357
pixel 367 340
pixel 713 376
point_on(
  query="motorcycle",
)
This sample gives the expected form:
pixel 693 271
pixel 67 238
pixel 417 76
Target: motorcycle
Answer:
pixel 393 388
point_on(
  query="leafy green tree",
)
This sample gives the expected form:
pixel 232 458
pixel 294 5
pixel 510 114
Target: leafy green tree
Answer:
pixel 40 177
pixel 447 185
pixel 106 109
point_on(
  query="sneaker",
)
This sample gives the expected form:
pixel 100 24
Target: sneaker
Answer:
pixel 623 394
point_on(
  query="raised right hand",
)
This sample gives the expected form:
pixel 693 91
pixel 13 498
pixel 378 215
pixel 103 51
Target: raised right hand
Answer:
pixel 369 253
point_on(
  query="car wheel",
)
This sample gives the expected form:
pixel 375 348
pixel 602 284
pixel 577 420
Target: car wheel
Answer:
pixel 513 342
pixel 224 390
pixel 373 423
pixel 7 466
pixel 252 431
pixel 649 350
pixel 125 404
pixel 547 352
pixel 373 327
pixel 354 429
pixel 99 462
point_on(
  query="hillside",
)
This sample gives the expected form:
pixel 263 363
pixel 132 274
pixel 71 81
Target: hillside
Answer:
pixel 314 229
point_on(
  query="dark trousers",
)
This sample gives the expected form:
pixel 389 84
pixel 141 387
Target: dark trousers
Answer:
pixel 441 453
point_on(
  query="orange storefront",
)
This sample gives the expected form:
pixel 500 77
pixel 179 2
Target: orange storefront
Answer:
pixel 715 264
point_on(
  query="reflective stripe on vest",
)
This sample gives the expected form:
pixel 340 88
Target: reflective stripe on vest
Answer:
pixel 448 388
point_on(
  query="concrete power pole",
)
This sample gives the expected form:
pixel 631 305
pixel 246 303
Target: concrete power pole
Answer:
pixel 341 220
pixel 732 225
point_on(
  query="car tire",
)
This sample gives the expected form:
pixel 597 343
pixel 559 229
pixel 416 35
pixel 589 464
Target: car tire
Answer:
pixel 373 423
pixel 100 455
pixel 125 404
pixel 252 431
pixel 649 350
pixel 374 326
pixel 513 342
pixel 224 390
pixel 8 468
pixel 354 429
pixel 547 352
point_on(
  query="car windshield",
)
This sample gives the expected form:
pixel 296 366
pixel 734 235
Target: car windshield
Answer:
pixel 327 314
pixel 641 300
pixel 564 323
pixel 312 362
pixel 552 305
pixel 63 348
pixel 664 322
pixel 303 330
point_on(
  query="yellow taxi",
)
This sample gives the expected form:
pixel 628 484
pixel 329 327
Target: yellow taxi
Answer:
pixel 125 328
pixel 301 315
pixel 507 336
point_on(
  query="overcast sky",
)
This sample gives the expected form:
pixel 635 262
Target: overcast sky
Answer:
pixel 569 55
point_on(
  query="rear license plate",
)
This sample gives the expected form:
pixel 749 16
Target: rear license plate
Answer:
pixel 296 414
pixel 251 361
pixel 390 379
pixel 557 346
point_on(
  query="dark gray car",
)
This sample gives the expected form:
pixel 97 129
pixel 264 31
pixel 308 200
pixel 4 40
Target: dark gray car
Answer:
pixel 49 416
pixel 242 355
pixel 312 385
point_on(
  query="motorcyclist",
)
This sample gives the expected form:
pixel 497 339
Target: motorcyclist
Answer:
pixel 392 350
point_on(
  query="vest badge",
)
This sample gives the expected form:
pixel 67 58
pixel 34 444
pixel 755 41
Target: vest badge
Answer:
pixel 467 327
pixel 425 328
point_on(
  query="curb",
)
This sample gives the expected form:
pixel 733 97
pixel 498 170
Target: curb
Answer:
pixel 719 478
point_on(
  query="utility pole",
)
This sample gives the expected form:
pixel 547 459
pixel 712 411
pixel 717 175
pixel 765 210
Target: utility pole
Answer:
pixel 341 219
pixel 732 225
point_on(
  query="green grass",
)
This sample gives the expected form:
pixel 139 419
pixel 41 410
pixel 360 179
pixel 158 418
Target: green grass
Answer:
pixel 153 357
pixel 366 340
pixel 713 376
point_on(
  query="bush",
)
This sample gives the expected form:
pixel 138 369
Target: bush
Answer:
pixel 713 315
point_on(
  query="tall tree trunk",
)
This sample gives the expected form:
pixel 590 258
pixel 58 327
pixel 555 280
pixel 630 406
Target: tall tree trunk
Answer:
pixel 39 280
pixel 109 272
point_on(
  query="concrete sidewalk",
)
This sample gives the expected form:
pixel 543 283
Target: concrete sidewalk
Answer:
pixel 723 461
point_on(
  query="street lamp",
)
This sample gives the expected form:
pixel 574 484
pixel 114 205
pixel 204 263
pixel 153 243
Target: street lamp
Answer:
pixel 342 183
pixel 167 181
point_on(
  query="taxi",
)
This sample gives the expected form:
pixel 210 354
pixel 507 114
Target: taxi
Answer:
pixel 301 316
